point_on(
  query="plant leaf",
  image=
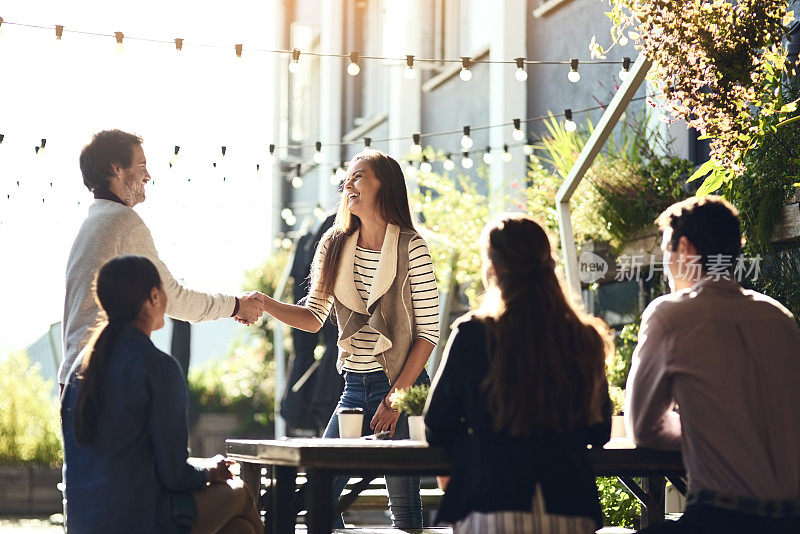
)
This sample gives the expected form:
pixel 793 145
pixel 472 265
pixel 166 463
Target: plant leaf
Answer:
pixel 704 169
pixel 713 182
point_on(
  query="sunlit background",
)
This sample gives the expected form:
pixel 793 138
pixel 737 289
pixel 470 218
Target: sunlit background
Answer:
pixel 208 212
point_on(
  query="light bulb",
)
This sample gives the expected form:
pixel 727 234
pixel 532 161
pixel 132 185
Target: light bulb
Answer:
pixel 291 221
pixel 286 213
pixel 448 164
pixel 466 162
pixel 416 149
pixel 488 158
pixel 465 74
pixel 521 75
pixel 334 179
pixel 518 134
pixel 574 76
pixel 353 69
pixel 527 150
pixel 409 73
pixel 425 167
pixel 286 242
pixel 466 142
pixel 623 74
pixel 506 157
pixel 297 182
pixel 294 67
pixel 570 126
pixel 318 157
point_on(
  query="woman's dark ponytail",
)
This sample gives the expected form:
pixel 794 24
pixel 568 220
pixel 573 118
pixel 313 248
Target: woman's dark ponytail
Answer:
pixel 122 286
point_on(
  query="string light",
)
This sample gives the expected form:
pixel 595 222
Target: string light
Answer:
pixel 416 148
pixel 626 67
pixel 527 148
pixel 465 74
pixel 294 64
pixel 335 177
pixel 569 124
pixel 517 134
pixel 119 36
pixel 271 157
pixel 178 44
pixel 297 181
pixel 409 72
pixel 466 161
pixel 520 75
pixel 425 166
pixel 506 156
pixel 318 156
pixel 174 158
pixel 488 158
pixel 449 164
pixel 367 142
pixel 574 76
pixel 1 25
pixel 353 69
pixel 286 213
pixel 466 140
pixel 59 31
pixel 238 48
pixel 223 149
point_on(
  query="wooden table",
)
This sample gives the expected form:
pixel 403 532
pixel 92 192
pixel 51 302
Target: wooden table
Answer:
pixel 324 459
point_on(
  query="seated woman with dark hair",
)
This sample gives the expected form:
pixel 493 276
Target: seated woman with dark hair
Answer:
pixel 519 395
pixel 123 415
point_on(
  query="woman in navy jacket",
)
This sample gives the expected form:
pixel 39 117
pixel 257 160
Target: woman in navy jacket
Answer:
pixel 123 416
pixel 519 395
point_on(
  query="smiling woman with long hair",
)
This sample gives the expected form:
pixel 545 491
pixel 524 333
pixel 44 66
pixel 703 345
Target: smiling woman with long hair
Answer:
pixel 123 414
pixel 374 270
pixel 519 394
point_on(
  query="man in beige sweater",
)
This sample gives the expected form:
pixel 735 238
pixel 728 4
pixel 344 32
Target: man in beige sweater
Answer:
pixel 114 169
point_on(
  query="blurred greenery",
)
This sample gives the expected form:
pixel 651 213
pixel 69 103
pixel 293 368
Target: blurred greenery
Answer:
pixel 30 424
pixel 243 383
pixel 620 507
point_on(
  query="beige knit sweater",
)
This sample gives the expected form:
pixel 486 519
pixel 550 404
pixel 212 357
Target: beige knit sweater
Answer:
pixel 110 230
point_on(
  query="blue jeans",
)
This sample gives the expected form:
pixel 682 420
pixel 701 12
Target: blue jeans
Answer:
pixel 366 390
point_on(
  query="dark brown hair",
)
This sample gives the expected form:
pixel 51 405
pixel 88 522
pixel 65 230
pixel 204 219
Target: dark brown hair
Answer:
pixel 392 199
pixel 710 222
pixel 122 286
pixel 547 358
pixel 106 148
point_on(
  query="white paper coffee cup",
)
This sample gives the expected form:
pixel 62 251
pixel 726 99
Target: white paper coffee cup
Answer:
pixel 350 422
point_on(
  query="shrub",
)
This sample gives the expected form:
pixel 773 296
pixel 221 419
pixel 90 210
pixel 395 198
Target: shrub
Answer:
pixel 30 425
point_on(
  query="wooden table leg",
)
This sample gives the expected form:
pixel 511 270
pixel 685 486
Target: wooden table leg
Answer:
pixel 320 505
pixel 282 517
pixel 655 488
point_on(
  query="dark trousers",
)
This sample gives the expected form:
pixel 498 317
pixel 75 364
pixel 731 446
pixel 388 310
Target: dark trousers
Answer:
pixel 711 520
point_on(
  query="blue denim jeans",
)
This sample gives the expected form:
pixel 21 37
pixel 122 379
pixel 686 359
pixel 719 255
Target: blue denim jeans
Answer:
pixel 366 390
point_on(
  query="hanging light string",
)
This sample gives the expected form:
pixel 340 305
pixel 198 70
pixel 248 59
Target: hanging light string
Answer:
pixel 295 53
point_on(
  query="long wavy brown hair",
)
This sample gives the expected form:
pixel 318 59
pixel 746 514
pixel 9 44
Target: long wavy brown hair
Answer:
pixel 546 357
pixel 392 200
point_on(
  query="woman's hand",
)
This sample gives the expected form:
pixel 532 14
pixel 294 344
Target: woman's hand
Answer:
pixel 384 419
pixel 221 471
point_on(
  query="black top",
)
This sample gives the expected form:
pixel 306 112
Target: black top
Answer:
pixel 493 471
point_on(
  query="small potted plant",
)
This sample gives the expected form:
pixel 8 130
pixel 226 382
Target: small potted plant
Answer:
pixel 411 401
pixel 618 418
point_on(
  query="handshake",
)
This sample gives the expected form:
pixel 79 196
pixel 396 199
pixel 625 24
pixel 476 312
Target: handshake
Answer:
pixel 252 305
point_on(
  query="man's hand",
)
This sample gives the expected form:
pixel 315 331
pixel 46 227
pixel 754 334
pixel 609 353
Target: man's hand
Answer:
pixel 251 306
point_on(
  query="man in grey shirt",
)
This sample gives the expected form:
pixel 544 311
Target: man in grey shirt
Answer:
pixel 114 169
pixel 730 359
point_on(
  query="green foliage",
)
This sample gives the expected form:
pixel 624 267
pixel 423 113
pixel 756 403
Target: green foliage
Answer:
pixel 718 64
pixel 619 366
pixel 243 384
pixel 30 425
pixel 410 401
pixel 455 211
pixel 620 507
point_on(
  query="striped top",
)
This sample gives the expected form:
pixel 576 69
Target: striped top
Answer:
pixel 424 299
